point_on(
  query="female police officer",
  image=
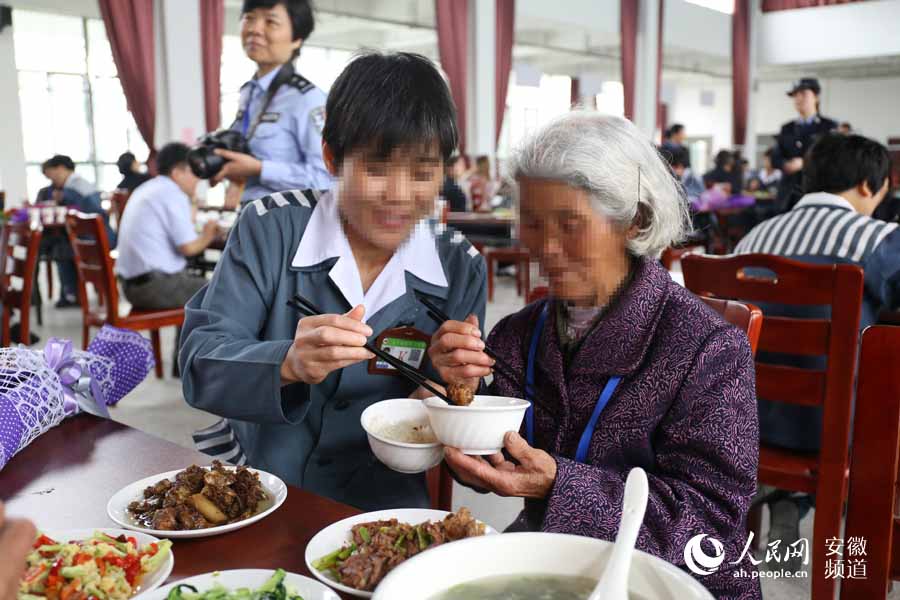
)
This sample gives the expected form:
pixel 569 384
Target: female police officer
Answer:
pixel 293 391
pixel 280 112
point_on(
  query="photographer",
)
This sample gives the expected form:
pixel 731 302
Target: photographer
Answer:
pixel 280 112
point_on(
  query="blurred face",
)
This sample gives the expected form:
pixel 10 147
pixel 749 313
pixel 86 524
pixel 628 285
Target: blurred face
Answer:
pixel 381 199
pixel 577 248
pixel 678 138
pixel 57 175
pixel 266 35
pixel 805 102
pixel 185 178
pixel 678 170
pixel 458 169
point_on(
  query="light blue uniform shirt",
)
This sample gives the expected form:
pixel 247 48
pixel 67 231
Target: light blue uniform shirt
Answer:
pixel 288 139
pixel 238 330
pixel 157 219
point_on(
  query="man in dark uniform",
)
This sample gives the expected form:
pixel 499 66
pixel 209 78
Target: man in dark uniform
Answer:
pixel 795 139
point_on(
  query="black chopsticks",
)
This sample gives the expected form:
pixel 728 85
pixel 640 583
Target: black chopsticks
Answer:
pixel 306 307
pixel 439 316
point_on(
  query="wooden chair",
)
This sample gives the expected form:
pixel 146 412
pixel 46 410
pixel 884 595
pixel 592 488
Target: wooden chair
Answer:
pixel 873 475
pixel 672 255
pixel 90 245
pixel 19 248
pixel 519 256
pixel 440 487
pixel 118 199
pixel 839 287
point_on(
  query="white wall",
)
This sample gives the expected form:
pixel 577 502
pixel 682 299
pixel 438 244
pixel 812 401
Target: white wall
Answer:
pixel 701 121
pixel 12 150
pixel 854 30
pixel 180 112
pixel 691 27
pixel 870 105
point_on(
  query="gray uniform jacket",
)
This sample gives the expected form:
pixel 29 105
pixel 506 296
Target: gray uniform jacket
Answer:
pixel 238 330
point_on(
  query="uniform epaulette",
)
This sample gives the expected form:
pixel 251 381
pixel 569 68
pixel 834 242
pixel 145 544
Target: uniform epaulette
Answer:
pixel 301 83
pixel 452 237
pixel 304 198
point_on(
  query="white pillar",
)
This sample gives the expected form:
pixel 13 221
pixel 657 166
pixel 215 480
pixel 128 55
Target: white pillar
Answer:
pixel 645 76
pixel 12 150
pixel 750 149
pixel 180 113
pixel 480 93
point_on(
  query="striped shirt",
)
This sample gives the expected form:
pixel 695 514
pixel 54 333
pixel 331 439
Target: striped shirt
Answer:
pixel 821 227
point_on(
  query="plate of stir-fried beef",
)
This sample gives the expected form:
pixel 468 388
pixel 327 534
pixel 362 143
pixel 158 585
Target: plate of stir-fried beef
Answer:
pixel 355 554
pixel 197 501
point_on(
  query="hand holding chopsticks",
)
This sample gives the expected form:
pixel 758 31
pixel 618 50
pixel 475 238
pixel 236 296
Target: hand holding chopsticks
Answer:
pixel 309 309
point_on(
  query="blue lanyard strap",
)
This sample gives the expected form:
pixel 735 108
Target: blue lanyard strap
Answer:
pixel 609 389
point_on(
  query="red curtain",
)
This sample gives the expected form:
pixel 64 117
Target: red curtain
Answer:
pixel 740 69
pixel 129 27
pixel 772 5
pixel 660 119
pixel 574 91
pixel 503 45
pixel 453 34
pixel 628 13
pixel 212 28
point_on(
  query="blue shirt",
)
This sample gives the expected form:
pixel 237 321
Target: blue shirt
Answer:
pixel 156 221
pixel 288 139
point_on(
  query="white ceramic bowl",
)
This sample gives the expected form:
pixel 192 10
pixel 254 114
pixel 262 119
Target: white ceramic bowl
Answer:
pixel 427 574
pixel 478 428
pixel 400 456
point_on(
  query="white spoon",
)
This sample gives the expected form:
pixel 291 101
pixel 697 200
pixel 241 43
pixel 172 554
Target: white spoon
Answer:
pixel 613 585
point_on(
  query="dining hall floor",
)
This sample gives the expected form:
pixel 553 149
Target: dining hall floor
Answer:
pixel 158 407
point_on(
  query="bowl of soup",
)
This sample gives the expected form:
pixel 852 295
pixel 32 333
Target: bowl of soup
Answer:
pixel 530 566
pixel 400 435
pixel 478 428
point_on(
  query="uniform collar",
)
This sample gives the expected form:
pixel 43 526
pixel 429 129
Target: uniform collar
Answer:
pixel 824 199
pixel 266 80
pixel 809 120
pixel 324 240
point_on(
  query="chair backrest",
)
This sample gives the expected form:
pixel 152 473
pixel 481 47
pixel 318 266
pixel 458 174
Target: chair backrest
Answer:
pixel 746 317
pixel 796 284
pixel 90 245
pixel 873 475
pixel 672 255
pixel 118 199
pixel 19 246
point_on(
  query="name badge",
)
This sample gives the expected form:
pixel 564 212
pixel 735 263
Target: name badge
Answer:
pixel 270 117
pixel 406 343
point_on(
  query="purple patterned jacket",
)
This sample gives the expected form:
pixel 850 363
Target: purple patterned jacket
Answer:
pixel 685 412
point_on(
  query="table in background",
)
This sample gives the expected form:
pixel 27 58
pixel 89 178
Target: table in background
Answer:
pixel 65 478
pixel 484 229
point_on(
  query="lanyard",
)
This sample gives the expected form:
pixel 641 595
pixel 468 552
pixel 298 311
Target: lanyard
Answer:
pixel 585 442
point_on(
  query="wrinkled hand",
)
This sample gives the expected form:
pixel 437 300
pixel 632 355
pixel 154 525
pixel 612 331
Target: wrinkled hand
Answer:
pixel 532 475
pixel 326 343
pixel 457 353
pixel 239 167
pixel 16 539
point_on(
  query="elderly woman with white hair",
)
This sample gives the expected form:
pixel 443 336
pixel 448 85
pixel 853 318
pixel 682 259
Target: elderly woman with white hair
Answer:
pixel 624 368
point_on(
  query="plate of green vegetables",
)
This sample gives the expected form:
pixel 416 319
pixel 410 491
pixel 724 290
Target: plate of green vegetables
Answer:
pixel 245 584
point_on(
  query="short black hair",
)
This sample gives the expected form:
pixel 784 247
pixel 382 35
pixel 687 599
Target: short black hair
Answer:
pixel 679 158
pixel 58 160
pixel 837 163
pixel 126 160
pixel 676 129
pixel 387 100
pixel 723 157
pixel 171 156
pixel 300 12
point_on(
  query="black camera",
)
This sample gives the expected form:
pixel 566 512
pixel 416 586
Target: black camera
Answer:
pixel 205 163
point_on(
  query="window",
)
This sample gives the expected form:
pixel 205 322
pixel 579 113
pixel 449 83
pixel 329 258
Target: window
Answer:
pixel 71 99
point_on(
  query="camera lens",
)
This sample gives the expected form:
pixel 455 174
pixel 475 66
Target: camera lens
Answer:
pixel 204 162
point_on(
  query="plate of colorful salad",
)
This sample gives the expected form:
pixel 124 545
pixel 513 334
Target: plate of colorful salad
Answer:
pixel 108 564
pixel 245 584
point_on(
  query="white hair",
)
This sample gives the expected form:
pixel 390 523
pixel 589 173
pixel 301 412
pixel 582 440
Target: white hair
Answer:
pixel 628 181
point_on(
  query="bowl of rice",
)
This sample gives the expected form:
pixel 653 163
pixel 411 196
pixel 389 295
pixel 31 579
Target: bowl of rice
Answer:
pixel 400 435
